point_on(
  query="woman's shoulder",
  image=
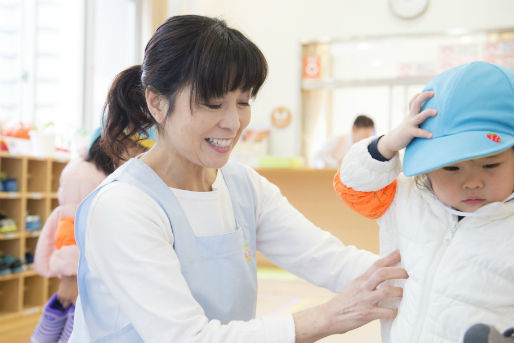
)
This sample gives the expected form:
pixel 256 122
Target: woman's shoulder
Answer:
pixel 122 208
pixel 119 197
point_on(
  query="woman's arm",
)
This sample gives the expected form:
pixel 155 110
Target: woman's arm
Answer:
pixel 286 237
pixel 294 243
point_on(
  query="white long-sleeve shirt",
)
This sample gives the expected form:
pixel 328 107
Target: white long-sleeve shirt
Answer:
pixel 129 248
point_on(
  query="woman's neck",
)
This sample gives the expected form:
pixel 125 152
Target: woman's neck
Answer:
pixel 178 172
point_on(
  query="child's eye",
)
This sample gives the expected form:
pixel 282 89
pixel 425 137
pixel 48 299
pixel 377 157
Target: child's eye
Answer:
pixel 491 165
pixel 246 104
pixel 451 168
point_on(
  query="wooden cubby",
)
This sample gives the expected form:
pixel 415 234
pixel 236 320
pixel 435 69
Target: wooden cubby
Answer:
pixel 38 180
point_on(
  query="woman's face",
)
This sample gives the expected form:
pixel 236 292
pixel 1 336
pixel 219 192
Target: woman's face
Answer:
pixel 204 134
pixel 469 185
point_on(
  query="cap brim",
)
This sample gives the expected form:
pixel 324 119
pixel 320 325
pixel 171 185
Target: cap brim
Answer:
pixel 425 154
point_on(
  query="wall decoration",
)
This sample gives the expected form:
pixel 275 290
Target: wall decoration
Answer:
pixel 281 117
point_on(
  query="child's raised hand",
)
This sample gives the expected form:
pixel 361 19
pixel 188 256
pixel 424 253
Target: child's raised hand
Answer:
pixel 399 137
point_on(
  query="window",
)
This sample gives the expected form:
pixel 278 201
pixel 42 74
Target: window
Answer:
pixel 41 60
pixel 59 57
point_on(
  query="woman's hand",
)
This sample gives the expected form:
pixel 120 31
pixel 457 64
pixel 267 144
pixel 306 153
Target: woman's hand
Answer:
pixel 68 291
pixel 355 306
pixel 401 136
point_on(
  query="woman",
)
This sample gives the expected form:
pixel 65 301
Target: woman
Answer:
pixel 168 241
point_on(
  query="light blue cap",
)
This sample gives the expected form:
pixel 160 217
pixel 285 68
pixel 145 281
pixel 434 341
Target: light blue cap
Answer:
pixel 475 117
pixel 145 141
pixel 97 133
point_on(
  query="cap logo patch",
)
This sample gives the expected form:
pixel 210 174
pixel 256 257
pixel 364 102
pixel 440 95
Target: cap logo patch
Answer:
pixel 493 137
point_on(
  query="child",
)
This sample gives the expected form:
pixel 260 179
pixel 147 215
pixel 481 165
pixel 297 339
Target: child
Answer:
pixel 56 252
pixel 454 221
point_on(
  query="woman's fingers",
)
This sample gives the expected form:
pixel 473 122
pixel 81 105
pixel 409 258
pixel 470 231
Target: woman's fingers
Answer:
pixel 383 270
pixel 386 292
pixel 385 313
pixel 388 260
pixel 384 274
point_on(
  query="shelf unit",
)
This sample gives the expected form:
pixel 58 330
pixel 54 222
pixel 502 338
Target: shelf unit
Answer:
pixel 38 180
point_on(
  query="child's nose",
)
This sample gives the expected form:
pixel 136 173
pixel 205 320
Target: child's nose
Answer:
pixel 473 182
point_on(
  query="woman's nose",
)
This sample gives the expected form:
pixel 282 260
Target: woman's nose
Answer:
pixel 230 119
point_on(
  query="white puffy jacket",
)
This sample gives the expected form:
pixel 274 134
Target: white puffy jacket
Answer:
pixel 460 272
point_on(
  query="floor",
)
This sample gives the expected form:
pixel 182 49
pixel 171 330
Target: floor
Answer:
pixel 279 292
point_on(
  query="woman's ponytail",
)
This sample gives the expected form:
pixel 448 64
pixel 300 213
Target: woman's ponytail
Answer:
pixel 126 113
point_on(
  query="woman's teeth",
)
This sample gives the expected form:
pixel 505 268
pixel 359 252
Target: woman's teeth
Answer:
pixel 219 142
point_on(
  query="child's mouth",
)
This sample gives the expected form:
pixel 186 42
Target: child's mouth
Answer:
pixel 473 201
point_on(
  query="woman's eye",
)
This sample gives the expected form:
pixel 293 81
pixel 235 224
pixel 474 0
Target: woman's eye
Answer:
pixel 213 106
pixel 491 165
pixel 451 168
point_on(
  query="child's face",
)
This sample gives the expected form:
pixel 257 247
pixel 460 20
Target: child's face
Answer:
pixel 469 185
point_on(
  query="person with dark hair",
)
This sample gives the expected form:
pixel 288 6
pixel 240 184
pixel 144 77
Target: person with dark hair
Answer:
pixel 56 252
pixel 168 241
pixel 332 152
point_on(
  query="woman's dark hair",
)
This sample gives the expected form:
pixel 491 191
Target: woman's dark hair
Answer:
pixel 188 50
pixel 98 156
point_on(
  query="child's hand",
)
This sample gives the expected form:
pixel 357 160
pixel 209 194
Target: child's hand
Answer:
pixel 401 136
pixel 68 291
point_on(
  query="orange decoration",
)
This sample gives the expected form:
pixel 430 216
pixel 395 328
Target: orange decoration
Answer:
pixel 281 117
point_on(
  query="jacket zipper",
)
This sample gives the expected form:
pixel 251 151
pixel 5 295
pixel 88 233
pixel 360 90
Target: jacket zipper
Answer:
pixel 430 282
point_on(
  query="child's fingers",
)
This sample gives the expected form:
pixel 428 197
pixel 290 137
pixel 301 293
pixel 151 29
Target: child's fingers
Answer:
pixel 423 115
pixel 422 133
pixel 417 100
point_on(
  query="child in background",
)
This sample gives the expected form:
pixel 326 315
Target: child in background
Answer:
pixel 453 222
pixel 56 252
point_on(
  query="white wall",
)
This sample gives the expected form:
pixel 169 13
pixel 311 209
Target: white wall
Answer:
pixel 279 26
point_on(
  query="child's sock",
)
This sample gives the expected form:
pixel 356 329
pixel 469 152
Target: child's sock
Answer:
pixel 68 327
pixel 51 323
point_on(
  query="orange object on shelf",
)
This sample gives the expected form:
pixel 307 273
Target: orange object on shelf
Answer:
pixel 18 130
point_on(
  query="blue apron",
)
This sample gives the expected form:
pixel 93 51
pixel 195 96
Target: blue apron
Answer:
pixel 220 270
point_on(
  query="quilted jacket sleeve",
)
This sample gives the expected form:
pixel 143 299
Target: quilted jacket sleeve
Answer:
pixel 367 185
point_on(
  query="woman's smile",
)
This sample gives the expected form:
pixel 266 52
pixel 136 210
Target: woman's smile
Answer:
pixel 221 145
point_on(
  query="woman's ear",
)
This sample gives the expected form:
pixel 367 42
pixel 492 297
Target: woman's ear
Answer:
pixel 157 105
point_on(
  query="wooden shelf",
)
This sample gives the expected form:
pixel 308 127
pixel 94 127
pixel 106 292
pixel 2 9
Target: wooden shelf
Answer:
pixel 38 179
pixel 10 195
pixel 10 235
